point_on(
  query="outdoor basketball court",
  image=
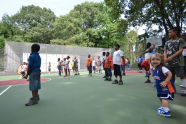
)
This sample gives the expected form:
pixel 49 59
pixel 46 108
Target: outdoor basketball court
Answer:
pixel 86 100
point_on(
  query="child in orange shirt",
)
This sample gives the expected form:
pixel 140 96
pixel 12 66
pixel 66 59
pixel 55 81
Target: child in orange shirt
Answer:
pixel 89 65
pixel 108 66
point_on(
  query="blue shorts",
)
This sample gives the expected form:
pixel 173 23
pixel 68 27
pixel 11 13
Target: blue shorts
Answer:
pixel 34 81
pixel 94 67
pixel 123 67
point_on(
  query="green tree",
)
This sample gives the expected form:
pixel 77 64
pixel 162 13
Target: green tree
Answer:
pixel 163 13
pixel 36 23
pixel 89 24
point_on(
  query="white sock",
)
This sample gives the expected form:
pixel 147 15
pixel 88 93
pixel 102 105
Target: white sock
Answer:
pixel 166 109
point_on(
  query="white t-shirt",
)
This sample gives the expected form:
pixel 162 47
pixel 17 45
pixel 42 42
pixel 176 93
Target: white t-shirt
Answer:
pixel 164 69
pixel 23 68
pixel 93 63
pixel 117 57
pixel 103 58
pixel 67 64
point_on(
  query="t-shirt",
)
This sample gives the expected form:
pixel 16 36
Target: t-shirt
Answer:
pixel 34 61
pixel 148 55
pixel 108 62
pixel 75 62
pixel 171 47
pixel 67 64
pixel 123 61
pixel 23 68
pixel 89 62
pixel 103 59
pixel 98 62
pixel 140 60
pixel 117 57
pixel 93 63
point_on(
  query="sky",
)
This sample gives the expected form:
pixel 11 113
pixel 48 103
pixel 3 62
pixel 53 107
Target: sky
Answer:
pixel 59 7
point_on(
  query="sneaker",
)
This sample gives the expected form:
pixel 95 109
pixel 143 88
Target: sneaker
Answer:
pixel 120 82
pixel 148 81
pixel 104 76
pixel 115 82
pixel 167 114
pixel 109 79
pixel 161 112
pixel 147 74
pixel 106 79
pixel 32 101
pixel 37 98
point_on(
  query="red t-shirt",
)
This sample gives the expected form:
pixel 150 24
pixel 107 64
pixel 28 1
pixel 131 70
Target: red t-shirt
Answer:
pixel 108 62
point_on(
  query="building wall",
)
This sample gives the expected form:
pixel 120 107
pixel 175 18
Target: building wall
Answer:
pixel 18 52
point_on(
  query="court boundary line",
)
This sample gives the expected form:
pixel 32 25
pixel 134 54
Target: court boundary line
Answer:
pixel 23 84
pixel 5 90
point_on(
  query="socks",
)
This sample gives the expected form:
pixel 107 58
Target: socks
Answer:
pixel 166 109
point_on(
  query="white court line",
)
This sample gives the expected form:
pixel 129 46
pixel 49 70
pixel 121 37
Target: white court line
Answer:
pixel 5 90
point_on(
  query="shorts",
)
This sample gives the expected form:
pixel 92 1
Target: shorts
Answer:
pixel 169 96
pixel 34 81
pixel 146 64
pixel 76 68
pixel 117 70
pixel 94 67
pixel 98 67
pixel 178 71
pixel 89 68
pixel 122 67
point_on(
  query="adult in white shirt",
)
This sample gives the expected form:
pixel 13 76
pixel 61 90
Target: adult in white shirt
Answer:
pixel 117 57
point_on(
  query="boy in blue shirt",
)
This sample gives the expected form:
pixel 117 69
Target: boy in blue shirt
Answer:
pixel 34 72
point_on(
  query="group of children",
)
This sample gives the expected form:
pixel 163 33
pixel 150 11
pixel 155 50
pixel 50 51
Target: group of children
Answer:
pixel 163 68
pixel 108 64
pixel 64 66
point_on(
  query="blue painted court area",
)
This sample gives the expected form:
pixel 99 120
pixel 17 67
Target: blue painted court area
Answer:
pixel 89 100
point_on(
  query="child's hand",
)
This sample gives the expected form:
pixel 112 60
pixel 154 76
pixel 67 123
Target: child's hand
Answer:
pixel 164 84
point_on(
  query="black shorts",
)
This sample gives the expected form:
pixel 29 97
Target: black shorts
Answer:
pixel 117 70
pixel 178 71
pixel 166 96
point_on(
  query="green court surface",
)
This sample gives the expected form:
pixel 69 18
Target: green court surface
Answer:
pixel 88 100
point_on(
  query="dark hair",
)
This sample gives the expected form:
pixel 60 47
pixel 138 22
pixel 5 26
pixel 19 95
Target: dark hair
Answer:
pixel 68 57
pixel 108 53
pixel 177 30
pixel 35 48
pixel 103 53
pixel 89 55
pixel 148 45
pixel 58 59
pixel 117 45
